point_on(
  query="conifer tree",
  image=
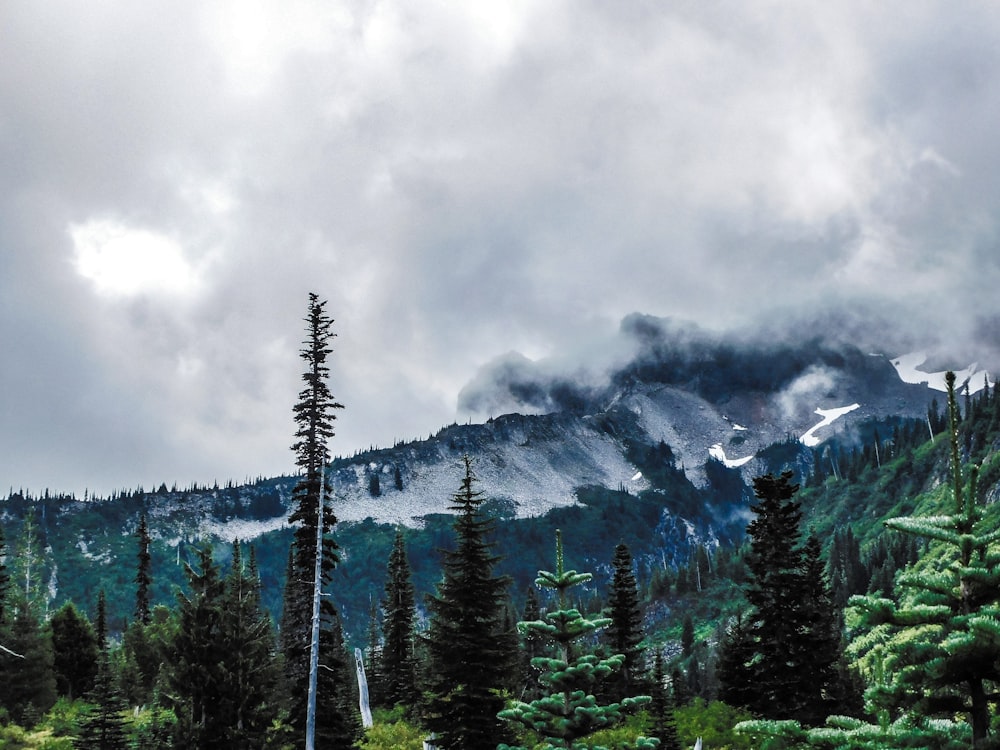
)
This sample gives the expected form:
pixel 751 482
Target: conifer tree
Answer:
pixel 313 553
pixel 661 708
pixel 104 727
pixel 75 651
pixel 4 578
pixel 398 666
pixel 199 649
pixel 470 654
pixel 570 712
pixel 143 576
pixel 781 661
pixel 940 647
pixel 624 634
pixel 532 645
pixel 249 677
pixel 27 676
pixel 341 724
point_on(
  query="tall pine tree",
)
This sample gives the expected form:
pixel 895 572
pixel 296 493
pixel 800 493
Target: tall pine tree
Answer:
pixel 624 634
pixel 313 550
pixel 143 573
pixel 398 663
pixel 470 652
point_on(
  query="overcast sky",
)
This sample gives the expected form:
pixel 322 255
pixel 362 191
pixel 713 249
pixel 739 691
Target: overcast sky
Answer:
pixel 459 180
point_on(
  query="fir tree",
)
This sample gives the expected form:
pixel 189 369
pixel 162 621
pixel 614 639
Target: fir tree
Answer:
pixel 398 684
pixel 249 677
pixel 570 711
pixel 75 651
pixel 313 553
pixel 340 726
pixel 198 673
pixel 532 646
pixel 782 659
pixel 4 578
pixel 687 636
pixel 27 682
pixel 941 644
pixel 470 655
pixel 143 577
pixel 104 727
pixel 27 676
pixel 661 708
pixel 624 634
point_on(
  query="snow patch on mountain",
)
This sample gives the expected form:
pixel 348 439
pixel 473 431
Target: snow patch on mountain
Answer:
pixel 907 365
pixel 829 417
pixel 243 529
pixel 719 453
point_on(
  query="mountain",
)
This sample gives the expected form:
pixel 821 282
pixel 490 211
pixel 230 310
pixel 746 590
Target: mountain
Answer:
pixel 657 448
pixel 701 394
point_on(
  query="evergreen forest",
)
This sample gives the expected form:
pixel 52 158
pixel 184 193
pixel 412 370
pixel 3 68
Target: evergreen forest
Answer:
pixel 856 604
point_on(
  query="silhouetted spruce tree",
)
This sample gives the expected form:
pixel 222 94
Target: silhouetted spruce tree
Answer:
pixel 143 574
pixel 624 634
pixel 687 635
pixel 470 655
pixel 198 673
pixel 75 651
pixel 249 674
pixel 314 419
pixel 661 708
pixel 398 666
pixel 822 642
pixel 776 666
pixel 104 726
pixel 570 712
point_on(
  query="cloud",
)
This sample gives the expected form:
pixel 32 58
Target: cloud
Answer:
pixel 459 181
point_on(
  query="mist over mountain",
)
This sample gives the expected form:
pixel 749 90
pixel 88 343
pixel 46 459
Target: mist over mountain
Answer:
pixel 652 435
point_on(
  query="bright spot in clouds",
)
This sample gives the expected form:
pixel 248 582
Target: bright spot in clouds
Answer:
pixel 123 261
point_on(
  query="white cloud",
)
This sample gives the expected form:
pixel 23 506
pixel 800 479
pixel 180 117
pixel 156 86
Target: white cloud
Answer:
pixel 120 260
pixel 460 180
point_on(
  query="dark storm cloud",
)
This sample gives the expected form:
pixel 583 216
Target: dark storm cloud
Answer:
pixel 459 181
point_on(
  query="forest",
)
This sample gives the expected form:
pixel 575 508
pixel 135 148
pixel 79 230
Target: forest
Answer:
pixel 860 610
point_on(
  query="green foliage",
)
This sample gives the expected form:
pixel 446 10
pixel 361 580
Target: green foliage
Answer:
pixel 391 731
pixel 398 661
pixel 569 712
pixel 28 683
pixel 75 651
pixel 715 723
pixel 143 574
pixel 780 662
pixel 934 653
